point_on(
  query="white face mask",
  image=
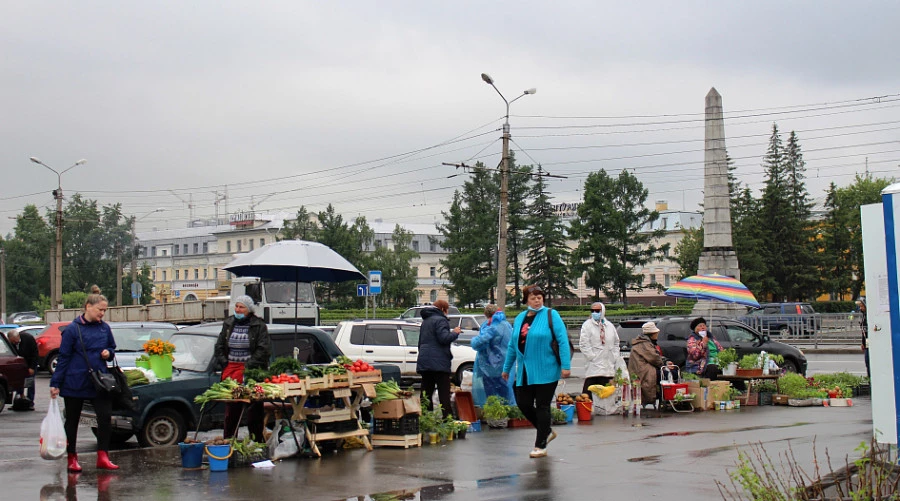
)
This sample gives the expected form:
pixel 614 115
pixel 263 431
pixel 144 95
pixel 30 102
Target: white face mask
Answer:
pixel 702 333
pixel 597 316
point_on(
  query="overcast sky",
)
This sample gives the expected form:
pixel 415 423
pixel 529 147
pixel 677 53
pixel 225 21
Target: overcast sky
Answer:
pixel 283 104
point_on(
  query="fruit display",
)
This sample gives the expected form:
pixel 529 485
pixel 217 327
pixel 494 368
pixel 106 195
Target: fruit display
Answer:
pixel 565 399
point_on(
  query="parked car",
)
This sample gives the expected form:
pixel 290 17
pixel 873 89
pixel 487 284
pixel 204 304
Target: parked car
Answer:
pixel 13 371
pixel 674 331
pixel 48 341
pixel 4 328
pixel 415 313
pixel 166 409
pixel 395 342
pixel 25 317
pixel 131 336
pixel 30 329
pixel 784 319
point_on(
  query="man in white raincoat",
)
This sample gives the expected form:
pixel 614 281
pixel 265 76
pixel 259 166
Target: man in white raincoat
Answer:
pixel 599 344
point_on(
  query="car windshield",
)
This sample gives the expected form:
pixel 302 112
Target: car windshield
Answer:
pixel 131 339
pixel 285 292
pixel 192 352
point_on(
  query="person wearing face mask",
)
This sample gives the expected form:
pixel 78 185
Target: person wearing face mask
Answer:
pixel 599 344
pixel 538 369
pixel 702 350
pixel 243 344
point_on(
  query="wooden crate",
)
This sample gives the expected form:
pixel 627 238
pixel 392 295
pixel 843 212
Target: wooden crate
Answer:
pixel 780 399
pixel 338 380
pixel 294 389
pixel 328 416
pixel 316 383
pixel 357 378
pixel 405 441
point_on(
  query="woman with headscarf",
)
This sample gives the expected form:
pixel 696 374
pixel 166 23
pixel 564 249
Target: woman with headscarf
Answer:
pixel 599 344
pixel 538 366
pixel 87 344
pixel 243 344
pixel 645 361
pixel 490 346
pixel 702 350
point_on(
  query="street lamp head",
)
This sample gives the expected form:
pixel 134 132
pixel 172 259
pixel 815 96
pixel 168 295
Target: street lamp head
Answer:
pixel 531 91
pixel 487 78
pixel 81 162
pixel 35 160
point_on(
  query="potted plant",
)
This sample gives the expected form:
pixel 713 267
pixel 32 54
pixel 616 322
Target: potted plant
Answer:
pixel 765 389
pixel 143 362
pixel 495 412
pixel 462 427
pixel 749 366
pixel 792 385
pixel 516 418
pixel 428 424
pixel 728 361
pixel 161 357
pixel 558 416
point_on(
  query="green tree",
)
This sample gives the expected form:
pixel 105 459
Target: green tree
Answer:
pixel 28 259
pixel 351 242
pixel 748 240
pixel 546 252
pixel 802 265
pixel 399 277
pixel 612 236
pixel 777 214
pixel 521 189
pixel 688 250
pixel 301 228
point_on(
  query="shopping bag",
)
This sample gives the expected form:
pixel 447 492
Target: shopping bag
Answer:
pixel 53 434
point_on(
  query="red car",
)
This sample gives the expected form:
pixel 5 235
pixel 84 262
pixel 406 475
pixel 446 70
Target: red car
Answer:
pixel 48 341
pixel 13 371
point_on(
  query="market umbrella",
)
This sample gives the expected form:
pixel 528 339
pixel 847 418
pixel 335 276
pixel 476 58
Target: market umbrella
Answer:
pixel 297 261
pixel 713 287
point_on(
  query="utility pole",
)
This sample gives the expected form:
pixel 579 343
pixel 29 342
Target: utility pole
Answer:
pixel 52 275
pixel 118 275
pixel 3 285
pixel 504 194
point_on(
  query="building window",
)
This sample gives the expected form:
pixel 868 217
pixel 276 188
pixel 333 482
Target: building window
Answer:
pixel 377 244
pixel 666 253
pixel 239 245
pixel 165 252
pixel 652 278
pixel 262 242
pixel 196 274
pixel 164 275
pixel 205 247
pixel 250 241
pixel 196 248
pixel 153 251
pixel 228 246
pixel 667 280
pixel 216 273
pixel 175 250
pixel 185 249
pixel 432 272
pixel 433 295
pixel 415 245
pixel 177 274
pixel 153 275
pixel 205 273
pixel 432 246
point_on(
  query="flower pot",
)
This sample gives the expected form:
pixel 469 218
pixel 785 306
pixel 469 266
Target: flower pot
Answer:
pixel 161 365
pixel 432 437
pixel 519 423
pixel 144 364
pixel 749 372
pixel 461 434
pixel 765 398
pixel 497 423
pixel 730 369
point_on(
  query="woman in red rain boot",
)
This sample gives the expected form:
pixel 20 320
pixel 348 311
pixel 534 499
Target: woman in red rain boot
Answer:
pixel 87 340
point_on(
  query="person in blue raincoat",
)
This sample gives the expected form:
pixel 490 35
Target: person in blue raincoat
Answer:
pixel 538 368
pixel 88 339
pixel 490 345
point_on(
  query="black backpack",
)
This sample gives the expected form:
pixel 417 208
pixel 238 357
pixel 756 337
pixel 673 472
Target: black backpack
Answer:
pixel 22 404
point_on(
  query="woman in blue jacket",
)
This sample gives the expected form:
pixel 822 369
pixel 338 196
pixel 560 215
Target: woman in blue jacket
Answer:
pixel 538 368
pixel 87 340
pixel 435 357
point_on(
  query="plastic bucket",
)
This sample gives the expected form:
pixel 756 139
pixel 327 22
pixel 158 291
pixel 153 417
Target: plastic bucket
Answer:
pixel 218 456
pixel 161 365
pixel 585 410
pixel 569 409
pixel 191 455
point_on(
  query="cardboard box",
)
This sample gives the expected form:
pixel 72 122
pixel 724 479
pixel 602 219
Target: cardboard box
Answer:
pixel 716 391
pixel 396 409
pixel 699 393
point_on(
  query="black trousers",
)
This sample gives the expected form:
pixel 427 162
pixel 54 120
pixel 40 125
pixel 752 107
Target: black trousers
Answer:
pixel 103 408
pixel 441 381
pixel 256 414
pixel 534 401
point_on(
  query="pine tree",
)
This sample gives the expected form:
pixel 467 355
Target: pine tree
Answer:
pixel 803 259
pixel 776 216
pixel 546 252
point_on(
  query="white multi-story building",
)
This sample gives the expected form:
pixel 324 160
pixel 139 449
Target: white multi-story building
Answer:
pixel 431 284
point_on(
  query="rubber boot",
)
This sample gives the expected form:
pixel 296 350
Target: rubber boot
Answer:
pixel 103 461
pixel 73 465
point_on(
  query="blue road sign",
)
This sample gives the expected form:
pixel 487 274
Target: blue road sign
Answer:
pixel 375 282
pixel 362 290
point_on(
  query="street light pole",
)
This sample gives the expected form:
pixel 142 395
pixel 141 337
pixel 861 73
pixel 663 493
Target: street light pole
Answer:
pixel 137 300
pixel 504 194
pixel 56 295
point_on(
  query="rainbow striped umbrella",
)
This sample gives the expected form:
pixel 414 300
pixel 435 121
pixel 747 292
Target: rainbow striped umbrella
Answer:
pixel 713 287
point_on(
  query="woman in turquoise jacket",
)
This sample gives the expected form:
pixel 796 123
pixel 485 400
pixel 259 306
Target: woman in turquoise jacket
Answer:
pixel 538 367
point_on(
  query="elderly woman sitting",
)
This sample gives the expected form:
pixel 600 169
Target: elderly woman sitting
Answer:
pixel 645 361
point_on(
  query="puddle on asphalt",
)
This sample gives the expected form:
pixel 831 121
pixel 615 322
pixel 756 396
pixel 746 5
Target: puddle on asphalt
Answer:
pixel 731 430
pixel 441 491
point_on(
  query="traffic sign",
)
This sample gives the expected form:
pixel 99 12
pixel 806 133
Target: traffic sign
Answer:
pixel 375 282
pixel 136 290
pixel 362 290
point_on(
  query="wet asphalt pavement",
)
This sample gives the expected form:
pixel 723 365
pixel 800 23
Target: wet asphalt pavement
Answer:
pixel 660 455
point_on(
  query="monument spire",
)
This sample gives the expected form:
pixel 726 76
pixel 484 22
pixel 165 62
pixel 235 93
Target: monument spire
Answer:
pixel 718 254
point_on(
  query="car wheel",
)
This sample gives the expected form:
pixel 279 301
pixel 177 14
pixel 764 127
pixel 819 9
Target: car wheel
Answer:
pixel 51 363
pixel 116 437
pixel 784 331
pixel 789 366
pixel 466 367
pixel 164 427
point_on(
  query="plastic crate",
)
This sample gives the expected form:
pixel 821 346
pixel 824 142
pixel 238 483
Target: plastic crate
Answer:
pixel 407 425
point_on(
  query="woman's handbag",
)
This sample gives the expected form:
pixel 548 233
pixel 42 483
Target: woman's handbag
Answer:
pixel 104 382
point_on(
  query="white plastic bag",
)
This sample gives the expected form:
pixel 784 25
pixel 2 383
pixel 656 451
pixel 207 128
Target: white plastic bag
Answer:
pixel 466 383
pixel 53 434
pixel 609 405
pixel 281 443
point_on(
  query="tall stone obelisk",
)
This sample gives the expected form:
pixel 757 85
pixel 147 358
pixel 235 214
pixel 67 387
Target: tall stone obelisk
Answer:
pixel 718 254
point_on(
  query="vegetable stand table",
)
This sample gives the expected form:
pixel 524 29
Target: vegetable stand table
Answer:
pixel 283 404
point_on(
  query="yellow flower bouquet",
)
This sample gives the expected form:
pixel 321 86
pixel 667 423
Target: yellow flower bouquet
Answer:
pixel 159 347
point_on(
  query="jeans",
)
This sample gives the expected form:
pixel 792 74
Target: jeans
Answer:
pixel 534 401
